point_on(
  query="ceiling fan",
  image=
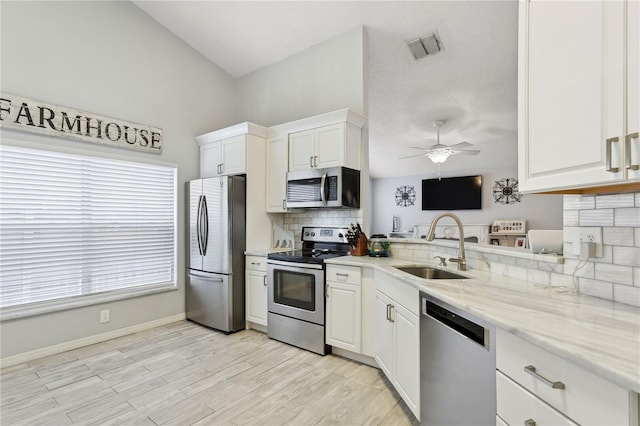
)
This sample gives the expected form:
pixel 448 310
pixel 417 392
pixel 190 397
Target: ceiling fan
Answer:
pixel 439 153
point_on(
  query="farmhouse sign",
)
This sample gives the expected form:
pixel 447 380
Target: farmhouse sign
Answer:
pixel 29 115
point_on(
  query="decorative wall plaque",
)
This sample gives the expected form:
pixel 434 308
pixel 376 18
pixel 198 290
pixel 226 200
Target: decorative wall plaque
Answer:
pixel 405 196
pixel 505 191
pixel 33 116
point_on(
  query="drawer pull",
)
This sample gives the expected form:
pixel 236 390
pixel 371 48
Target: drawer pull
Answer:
pixel 532 370
pixel 529 422
pixel 340 274
pixel 255 263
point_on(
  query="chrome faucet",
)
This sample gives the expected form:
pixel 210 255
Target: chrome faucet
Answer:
pixel 461 260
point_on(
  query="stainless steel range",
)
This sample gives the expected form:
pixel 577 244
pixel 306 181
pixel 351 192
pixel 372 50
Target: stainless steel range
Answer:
pixel 296 288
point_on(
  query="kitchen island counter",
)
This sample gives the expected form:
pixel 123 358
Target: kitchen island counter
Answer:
pixel 598 335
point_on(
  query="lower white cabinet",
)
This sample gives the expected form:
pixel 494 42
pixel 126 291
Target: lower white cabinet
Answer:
pixel 533 384
pixel 398 338
pixel 343 307
pixel 256 289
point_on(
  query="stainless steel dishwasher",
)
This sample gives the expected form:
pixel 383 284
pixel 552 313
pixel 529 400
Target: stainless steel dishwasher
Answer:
pixel 457 366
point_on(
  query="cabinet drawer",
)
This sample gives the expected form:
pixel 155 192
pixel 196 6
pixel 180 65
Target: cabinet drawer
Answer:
pixel 586 398
pixel 344 274
pixel 517 406
pixel 256 263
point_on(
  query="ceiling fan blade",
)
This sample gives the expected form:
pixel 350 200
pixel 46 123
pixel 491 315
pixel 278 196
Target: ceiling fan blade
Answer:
pixel 467 152
pixel 412 156
pixel 461 145
pixel 420 148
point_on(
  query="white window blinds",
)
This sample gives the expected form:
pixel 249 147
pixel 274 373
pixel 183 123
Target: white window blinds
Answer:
pixel 73 225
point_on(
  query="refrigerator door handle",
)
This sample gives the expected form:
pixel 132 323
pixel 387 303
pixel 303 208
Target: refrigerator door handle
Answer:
pixel 199 225
pixel 207 276
pixel 205 238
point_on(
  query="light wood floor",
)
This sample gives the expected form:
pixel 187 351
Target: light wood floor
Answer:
pixel 183 374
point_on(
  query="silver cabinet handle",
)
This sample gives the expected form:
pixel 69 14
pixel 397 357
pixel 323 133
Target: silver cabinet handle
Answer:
pixel 284 204
pixel 627 151
pixel 389 308
pixel 264 280
pixel 529 422
pixel 311 161
pixel 532 370
pixel 255 263
pixel 341 274
pixel 326 294
pixel 315 161
pixel 611 169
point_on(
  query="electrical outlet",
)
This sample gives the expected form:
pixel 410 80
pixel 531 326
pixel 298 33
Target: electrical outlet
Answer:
pixel 590 234
pixel 105 316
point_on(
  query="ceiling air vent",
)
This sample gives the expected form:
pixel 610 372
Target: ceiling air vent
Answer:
pixel 424 46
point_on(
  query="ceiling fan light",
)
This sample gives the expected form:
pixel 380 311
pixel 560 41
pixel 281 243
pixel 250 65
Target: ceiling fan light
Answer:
pixel 439 156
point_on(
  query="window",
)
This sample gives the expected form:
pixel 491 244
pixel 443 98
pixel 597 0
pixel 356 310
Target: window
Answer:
pixel 75 225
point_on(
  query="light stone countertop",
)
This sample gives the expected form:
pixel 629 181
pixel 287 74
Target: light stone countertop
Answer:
pixel 600 336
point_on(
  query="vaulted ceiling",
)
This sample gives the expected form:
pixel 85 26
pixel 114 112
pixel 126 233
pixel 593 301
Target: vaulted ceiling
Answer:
pixel 471 83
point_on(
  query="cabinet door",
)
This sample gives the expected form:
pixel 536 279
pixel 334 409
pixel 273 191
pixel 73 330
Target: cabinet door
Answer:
pixel 407 357
pixel 633 89
pixel 384 335
pixel 343 316
pixel 256 286
pixel 210 159
pixel 571 94
pixel 329 145
pixel 277 163
pixel 301 150
pixel 234 156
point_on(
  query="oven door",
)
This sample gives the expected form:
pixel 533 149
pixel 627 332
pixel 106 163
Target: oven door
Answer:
pixel 296 290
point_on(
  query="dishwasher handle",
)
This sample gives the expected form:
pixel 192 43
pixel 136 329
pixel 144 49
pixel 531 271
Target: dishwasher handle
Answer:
pixel 456 322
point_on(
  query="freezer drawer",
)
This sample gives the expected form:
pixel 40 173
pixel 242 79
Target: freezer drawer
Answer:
pixel 209 300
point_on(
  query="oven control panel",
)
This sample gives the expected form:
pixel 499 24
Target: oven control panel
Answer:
pixel 324 234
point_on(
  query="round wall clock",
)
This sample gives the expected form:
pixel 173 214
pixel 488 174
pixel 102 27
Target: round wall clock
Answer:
pixel 505 191
pixel 405 196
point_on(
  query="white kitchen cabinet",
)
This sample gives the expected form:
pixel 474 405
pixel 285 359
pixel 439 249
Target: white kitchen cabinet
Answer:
pixel 256 289
pixel 578 94
pixel 277 156
pixel 538 385
pixel 343 307
pixel 398 338
pixel 225 157
pixel 327 146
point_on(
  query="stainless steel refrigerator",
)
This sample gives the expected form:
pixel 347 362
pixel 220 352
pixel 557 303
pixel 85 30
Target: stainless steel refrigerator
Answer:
pixel 215 254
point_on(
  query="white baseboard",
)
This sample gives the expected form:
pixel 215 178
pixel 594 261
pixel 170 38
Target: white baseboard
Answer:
pixel 85 341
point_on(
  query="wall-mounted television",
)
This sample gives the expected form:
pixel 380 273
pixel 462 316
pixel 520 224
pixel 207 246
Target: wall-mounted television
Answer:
pixel 454 193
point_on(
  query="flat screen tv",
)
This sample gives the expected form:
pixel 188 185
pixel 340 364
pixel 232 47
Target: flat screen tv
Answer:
pixel 455 193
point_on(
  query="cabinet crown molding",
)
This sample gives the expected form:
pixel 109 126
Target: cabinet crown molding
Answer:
pixel 340 116
pixel 246 128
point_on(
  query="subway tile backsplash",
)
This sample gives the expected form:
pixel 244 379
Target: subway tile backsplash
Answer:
pixel 294 221
pixel 615 276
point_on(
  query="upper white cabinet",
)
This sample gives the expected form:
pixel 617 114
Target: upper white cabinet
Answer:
pixel 226 157
pixel 327 146
pixel 578 94
pixel 224 152
pixel 328 140
pixel 277 154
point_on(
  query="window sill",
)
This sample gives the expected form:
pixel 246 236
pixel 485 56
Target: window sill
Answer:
pixel 39 308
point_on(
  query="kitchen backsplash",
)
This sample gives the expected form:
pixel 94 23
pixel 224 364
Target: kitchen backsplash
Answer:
pixel 294 221
pixel 615 276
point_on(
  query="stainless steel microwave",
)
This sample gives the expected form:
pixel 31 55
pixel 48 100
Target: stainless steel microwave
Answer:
pixel 333 187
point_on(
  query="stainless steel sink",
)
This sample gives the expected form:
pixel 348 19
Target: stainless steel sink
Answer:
pixel 429 273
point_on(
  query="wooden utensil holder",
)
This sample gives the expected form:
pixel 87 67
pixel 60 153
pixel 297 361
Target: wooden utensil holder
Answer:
pixel 361 248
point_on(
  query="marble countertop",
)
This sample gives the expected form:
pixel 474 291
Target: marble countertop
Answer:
pixel 600 336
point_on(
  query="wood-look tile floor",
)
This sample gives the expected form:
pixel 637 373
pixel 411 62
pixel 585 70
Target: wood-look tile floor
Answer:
pixel 185 374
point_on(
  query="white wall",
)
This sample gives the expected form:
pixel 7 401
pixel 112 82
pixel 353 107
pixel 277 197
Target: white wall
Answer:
pixel 540 211
pixel 110 58
pixel 326 77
